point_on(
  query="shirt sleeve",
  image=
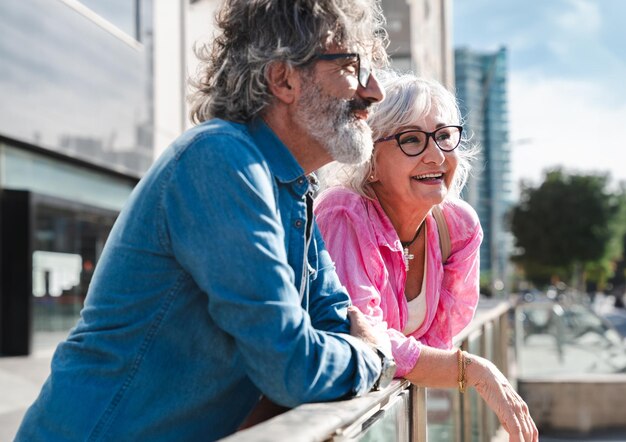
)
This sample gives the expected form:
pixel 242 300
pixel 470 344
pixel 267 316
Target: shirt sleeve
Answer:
pixel 361 269
pixel 328 299
pixel 461 274
pixel 224 227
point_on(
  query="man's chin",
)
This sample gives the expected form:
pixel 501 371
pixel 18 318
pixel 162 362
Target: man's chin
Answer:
pixel 354 156
pixel 353 148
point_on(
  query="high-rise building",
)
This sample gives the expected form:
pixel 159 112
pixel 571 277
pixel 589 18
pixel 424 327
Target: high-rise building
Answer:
pixel 481 87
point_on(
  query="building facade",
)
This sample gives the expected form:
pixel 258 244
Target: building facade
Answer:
pixel 76 134
pixel 420 38
pixel 481 87
pixel 92 92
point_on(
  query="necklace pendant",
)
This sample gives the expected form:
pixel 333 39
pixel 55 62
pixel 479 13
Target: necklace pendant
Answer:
pixel 407 256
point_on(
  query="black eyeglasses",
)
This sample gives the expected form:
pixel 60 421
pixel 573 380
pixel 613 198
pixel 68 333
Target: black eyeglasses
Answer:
pixel 414 142
pixel 363 67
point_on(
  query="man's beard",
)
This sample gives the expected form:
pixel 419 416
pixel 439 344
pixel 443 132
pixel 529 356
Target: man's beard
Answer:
pixel 332 123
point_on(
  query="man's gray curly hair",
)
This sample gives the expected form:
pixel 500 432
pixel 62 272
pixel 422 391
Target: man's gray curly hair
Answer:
pixel 255 33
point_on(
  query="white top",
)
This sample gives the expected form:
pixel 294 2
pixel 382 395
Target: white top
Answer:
pixel 417 308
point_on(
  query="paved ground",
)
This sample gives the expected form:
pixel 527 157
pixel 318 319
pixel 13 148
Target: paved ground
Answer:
pixel 616 436
pixel 20 381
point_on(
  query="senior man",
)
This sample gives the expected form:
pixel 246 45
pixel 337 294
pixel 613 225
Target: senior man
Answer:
pixel 215 286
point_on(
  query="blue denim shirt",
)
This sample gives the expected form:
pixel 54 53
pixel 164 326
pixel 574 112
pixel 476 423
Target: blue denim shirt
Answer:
pixel 202 300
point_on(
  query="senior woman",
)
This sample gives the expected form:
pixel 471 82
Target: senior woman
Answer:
pixel 380 231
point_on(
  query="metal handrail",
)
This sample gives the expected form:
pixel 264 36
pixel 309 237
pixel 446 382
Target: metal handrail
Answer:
pixel 348 420
pixel 323 421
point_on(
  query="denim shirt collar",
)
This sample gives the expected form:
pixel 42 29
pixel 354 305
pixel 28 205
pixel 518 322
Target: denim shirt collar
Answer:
pixel 282 162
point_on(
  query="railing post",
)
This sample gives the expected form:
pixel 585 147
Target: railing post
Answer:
pixel 419 415
pixel 483 418
pixel 503 341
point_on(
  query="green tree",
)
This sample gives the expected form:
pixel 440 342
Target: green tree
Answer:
pixel 618 246
pixel 567 224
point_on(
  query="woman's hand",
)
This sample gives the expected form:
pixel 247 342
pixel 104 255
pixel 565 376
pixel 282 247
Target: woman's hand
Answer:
pixel 360 328
pixel 500 396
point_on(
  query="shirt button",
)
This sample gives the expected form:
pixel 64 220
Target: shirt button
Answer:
pixel 300 181
pixel 298 223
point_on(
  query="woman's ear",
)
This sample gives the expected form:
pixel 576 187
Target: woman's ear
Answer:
pixel 283 82
pixel 373 176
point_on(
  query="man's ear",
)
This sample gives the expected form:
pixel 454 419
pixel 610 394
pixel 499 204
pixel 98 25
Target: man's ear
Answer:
pixel 283 82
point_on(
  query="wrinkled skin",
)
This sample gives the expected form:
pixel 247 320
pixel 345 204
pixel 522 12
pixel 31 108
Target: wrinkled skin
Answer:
pixel 506 403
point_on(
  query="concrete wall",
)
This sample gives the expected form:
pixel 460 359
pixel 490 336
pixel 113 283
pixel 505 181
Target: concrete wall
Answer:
pixel 178 26
pixel 576 404
pixel 431 40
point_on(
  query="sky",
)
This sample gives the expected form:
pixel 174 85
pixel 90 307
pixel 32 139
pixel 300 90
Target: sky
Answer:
pixel 567 80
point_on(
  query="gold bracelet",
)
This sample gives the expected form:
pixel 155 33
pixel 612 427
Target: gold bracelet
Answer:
pixel 461 379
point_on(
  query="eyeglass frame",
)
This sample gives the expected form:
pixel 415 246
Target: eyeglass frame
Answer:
pixel 428 135
pixel 337 56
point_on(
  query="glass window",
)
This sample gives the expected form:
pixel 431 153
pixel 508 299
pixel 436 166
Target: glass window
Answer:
pixel 23 170
pixel 67 242
pixel 71 84
pixel 122 13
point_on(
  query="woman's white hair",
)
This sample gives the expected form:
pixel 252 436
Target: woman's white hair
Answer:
pixel 408 99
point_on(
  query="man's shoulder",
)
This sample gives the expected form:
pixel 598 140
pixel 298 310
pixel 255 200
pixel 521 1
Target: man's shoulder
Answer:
pixel 215 132
pixel 217 142
pixel 214 148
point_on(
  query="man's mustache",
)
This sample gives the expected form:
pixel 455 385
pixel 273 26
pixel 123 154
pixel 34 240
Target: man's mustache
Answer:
pixel 358 103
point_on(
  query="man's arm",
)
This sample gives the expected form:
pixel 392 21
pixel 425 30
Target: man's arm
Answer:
pixel 328 298
pixel 225 230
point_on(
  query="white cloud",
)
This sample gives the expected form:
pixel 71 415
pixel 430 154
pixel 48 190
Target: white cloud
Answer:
pixel 583 17
pixel 569 125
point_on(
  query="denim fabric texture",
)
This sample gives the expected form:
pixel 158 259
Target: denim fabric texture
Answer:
pixel 205 298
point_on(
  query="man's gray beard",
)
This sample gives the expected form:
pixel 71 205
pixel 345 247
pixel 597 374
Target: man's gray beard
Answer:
pixel 331 122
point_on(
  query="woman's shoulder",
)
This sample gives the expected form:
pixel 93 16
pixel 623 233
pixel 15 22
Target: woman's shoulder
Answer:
pixel 339 198
pixel 460 214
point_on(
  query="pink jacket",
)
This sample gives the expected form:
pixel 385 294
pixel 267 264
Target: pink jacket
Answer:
pixel 367 252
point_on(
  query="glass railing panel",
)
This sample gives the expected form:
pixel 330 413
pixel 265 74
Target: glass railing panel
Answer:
pixel 389 424
pixel 442 407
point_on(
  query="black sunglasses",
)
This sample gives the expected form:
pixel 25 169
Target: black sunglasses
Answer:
pixel 413 142
pixel 364 70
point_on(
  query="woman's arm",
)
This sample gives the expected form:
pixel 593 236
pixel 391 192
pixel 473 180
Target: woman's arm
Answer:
pixel 437 368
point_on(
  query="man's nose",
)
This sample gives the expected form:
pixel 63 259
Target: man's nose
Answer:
pixel 373 92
